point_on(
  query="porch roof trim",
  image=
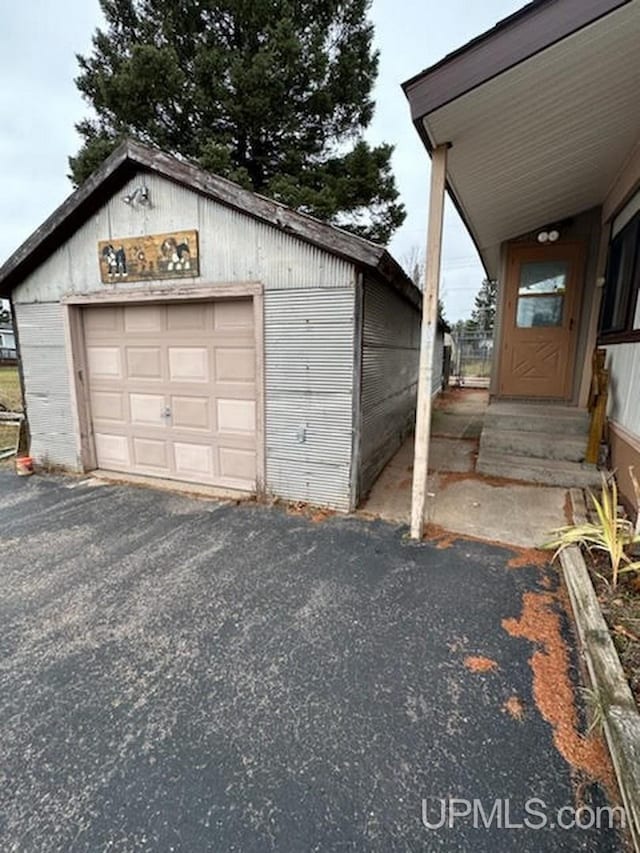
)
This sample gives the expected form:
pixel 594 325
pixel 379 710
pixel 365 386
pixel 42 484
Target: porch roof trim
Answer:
pixel 514 39
pixel 540 113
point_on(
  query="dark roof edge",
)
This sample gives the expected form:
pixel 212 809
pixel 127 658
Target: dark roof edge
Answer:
pixel 514 39
pixel 118 167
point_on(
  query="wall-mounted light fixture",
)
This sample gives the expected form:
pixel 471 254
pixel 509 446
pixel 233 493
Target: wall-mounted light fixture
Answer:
pixel 548 236
pixel 139 197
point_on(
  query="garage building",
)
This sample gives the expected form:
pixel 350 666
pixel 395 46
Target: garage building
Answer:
pixel 172 324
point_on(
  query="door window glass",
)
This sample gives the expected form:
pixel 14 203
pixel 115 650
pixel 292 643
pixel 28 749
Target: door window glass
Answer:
pixel 541 293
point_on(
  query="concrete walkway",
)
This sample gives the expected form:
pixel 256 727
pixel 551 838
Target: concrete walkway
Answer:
pixel 460 500
pixel 184 675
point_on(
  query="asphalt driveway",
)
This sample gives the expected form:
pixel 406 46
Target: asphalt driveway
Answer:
pixel 185 675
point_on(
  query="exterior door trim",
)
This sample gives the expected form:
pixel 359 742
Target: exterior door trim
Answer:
pixel 578 250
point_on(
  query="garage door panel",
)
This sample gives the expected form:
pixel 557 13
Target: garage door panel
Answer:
pixel 237 463
pixel 143 318
pixel 191 413
pixel 144 363
pixel 101 321
pixel 112 450
pixel 235 364
pixel 104 362
pixel 189 364
pixel 147 409
pixel 233 314
pixel 193 460
pixel 108 406
pixel 188 318
pixel 151 453
pixel 173 390
pixel 237 416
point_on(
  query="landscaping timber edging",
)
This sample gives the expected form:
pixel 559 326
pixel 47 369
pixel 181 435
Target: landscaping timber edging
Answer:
pixel 620 713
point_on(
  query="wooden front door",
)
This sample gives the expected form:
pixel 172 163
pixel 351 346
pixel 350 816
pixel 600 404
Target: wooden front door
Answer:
pixel 540 320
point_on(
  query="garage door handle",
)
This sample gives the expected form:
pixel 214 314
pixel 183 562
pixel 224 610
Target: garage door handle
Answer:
pixel 166 412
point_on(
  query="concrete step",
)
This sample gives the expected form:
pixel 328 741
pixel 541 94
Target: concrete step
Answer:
pixel 537 417
pixel 542 445
pixel 554 472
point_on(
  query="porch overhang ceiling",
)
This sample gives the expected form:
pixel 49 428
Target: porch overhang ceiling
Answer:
pixel 541 113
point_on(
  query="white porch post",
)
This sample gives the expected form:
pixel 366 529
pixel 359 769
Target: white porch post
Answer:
pixel 427 339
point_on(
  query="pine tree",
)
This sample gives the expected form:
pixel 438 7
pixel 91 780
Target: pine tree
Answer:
pixel 274 94
pixel 483 314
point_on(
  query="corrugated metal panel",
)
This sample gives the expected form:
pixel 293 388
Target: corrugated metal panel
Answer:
pixel 623 361
pixel 233 247
pixel 44 362
pixel 545 139
pixel 309 360
pixel 391 349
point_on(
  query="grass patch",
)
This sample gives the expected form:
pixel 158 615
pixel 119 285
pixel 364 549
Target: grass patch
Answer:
pixel 11 399
pixel 8 435
pixel 10 394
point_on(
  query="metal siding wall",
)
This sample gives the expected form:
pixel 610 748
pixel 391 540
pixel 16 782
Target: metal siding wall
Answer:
pixel 233 247
pixel 623 361
pixel 309 360
pixel 44 361
pixel 391 348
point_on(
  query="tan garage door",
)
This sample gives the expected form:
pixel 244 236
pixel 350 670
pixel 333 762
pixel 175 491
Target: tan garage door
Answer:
pixel 173 390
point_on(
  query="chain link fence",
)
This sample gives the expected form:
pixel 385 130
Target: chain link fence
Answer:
pixel 471 358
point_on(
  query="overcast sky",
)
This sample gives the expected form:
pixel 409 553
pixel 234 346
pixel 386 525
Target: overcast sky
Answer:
pixel 39 106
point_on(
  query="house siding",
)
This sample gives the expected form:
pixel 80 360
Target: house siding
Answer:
pixel 390 356
pixel 309 299
pixel 623 359
pixel 7 340
pixel 623 362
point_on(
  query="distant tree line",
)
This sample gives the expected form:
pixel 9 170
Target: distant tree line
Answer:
pixel 483 314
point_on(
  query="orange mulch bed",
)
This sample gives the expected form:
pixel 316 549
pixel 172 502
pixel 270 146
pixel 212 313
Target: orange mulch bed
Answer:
pixel 552 687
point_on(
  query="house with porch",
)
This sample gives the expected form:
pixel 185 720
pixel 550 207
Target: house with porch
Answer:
pixel 7 344
pixel 534 130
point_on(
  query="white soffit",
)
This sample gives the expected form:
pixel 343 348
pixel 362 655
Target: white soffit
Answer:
pixel 545 140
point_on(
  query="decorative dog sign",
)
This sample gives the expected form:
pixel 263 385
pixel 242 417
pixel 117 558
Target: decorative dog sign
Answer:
pixel 155 256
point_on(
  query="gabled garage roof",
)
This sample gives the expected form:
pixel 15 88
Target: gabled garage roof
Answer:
pixel 131 157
